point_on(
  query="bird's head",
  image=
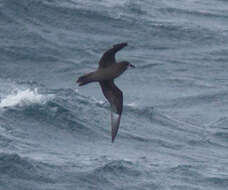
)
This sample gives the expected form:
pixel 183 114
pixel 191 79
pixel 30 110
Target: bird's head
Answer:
pixel 126 65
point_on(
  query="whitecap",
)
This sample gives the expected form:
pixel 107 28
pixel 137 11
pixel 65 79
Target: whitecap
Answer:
pixel 24 97
pixel 132 104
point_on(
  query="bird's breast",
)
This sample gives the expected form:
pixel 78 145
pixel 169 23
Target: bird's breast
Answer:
pixel 108 73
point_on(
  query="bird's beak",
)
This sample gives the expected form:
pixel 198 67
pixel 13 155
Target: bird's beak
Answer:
pixel 131 65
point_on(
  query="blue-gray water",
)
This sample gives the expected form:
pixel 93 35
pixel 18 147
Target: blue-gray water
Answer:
pixel 174 127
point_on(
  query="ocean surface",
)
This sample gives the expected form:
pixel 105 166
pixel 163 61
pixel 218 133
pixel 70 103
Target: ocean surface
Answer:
pixel 173 133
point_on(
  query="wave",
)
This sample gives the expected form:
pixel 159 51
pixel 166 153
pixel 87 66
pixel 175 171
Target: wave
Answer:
pixel 24 97
pixel 218 132
pixel 186 170
pixel 117 166
pixel 68 110
pixel 153 114
pixel 64 109
pixel 199 99
pixel 23 172
pixel 220 123
pixel 118 170
pixel 208 14
pixel 15 166
pixel 196 172
pixel 50 9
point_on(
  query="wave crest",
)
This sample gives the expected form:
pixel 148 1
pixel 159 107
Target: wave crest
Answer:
pixel 24 97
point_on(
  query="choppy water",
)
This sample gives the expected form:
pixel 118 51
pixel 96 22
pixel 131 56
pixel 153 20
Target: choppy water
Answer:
pixel 174 128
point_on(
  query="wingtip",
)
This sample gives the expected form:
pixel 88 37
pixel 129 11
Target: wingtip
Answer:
pixel 121 45
pixel 113 139
pixel 115 122
pixel 124 43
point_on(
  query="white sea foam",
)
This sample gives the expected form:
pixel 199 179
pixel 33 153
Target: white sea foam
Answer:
pixel 132 104
pixel 24 97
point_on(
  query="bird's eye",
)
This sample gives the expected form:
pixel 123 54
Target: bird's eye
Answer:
pixel 131 65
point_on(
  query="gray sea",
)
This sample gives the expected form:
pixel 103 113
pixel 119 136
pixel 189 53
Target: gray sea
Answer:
pixel 173 133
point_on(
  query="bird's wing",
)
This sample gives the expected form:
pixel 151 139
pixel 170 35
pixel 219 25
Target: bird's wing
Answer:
pixel 108 57
pixel 115 97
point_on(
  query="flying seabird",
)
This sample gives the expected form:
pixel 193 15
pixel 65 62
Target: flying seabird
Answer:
pixel 107 71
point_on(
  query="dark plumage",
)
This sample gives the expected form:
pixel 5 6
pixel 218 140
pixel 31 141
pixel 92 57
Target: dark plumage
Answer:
pixel 107 71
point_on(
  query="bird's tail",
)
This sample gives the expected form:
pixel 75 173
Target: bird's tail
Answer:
pixel 85 79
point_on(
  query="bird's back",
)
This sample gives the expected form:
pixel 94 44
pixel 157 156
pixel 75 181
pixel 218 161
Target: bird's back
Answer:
pixel 109 73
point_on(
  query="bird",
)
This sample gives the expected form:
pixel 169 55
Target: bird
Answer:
pixel 105 74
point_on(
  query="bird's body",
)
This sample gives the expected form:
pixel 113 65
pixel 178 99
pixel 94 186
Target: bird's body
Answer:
pixel 107 71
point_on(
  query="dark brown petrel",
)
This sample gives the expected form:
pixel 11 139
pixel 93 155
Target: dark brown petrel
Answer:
pixel 107 71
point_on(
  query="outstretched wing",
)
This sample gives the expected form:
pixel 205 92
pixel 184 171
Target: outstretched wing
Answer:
pixel 108 57
pixel 115 97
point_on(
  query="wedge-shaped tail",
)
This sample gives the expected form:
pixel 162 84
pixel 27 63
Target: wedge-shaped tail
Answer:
pixel 85 79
